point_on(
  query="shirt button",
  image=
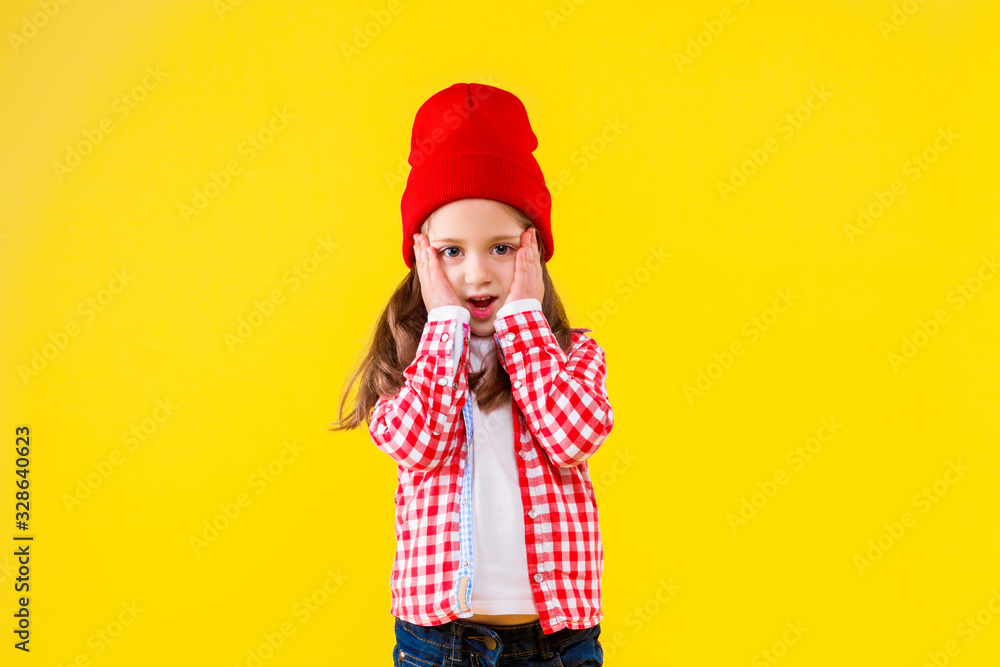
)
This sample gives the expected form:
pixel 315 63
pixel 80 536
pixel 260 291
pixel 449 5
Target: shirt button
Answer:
pixel 523 454
pixel 465 563
pixel 532 513
pixel 517 384
pixel 443 381
pixel 539 577
pixel 510 336
pixel 445 338
pixel 454 385
pixel 463 502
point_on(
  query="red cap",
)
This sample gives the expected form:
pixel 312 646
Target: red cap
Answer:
pixel 473 140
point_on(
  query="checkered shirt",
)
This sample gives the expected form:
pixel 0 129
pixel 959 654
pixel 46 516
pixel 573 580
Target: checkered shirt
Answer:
pixel 561 416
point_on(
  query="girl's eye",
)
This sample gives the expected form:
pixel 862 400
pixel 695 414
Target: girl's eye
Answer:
pixel 504 249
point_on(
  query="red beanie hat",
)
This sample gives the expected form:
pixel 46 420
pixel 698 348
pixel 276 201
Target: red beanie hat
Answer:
pixel 473 140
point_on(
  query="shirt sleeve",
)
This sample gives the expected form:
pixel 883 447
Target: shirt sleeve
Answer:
pixel 563 397
pixel 519 306
pixel 417 426
pixel 452 313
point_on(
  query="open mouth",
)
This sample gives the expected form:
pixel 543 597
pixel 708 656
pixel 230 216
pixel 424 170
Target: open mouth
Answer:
pixel 481 308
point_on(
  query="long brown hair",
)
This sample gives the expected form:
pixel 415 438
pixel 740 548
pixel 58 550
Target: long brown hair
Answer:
pixel 393 345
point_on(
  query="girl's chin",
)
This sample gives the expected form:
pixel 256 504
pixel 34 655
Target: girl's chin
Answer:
pixel 481 328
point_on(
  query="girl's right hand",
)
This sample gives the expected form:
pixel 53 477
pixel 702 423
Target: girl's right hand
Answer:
pixel 434 286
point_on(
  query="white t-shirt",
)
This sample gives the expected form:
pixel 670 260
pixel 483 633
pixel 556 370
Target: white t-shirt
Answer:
pixel 500 563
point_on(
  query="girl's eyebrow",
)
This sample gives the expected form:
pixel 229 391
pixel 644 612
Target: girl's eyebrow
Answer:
pixel 492 240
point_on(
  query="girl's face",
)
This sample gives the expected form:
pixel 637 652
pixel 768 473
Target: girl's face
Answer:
pixel 476 242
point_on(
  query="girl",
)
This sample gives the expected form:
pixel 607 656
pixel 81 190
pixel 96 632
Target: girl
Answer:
pixel 488 402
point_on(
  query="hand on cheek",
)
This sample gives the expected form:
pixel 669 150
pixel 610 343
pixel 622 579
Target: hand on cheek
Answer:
pixel 527 282
pixel 434 286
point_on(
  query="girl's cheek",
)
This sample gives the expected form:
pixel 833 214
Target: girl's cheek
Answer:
pixel 453 283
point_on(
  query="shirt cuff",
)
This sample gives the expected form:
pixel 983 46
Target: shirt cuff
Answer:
pixel 449 313
pixel 518 306
pixel 452 313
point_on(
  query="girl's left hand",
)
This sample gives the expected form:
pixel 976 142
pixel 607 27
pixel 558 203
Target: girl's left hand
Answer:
pixel 527 270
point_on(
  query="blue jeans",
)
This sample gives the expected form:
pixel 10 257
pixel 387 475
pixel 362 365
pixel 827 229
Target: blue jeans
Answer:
pixel 463 643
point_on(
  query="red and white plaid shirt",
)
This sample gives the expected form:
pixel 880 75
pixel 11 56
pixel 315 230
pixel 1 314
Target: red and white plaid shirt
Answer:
pixel 561 416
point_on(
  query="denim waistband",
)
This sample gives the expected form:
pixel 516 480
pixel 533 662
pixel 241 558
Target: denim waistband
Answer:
pixel 461 636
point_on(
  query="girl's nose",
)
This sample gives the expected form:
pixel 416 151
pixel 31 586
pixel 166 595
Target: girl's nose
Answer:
pixel 476 271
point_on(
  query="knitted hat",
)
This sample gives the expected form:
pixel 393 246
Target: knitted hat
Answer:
pixel 473 140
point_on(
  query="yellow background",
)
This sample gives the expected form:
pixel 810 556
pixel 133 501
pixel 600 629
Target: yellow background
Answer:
pixel 674 469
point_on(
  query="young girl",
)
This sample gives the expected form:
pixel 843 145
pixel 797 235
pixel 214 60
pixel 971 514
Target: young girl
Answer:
pixel 488 402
